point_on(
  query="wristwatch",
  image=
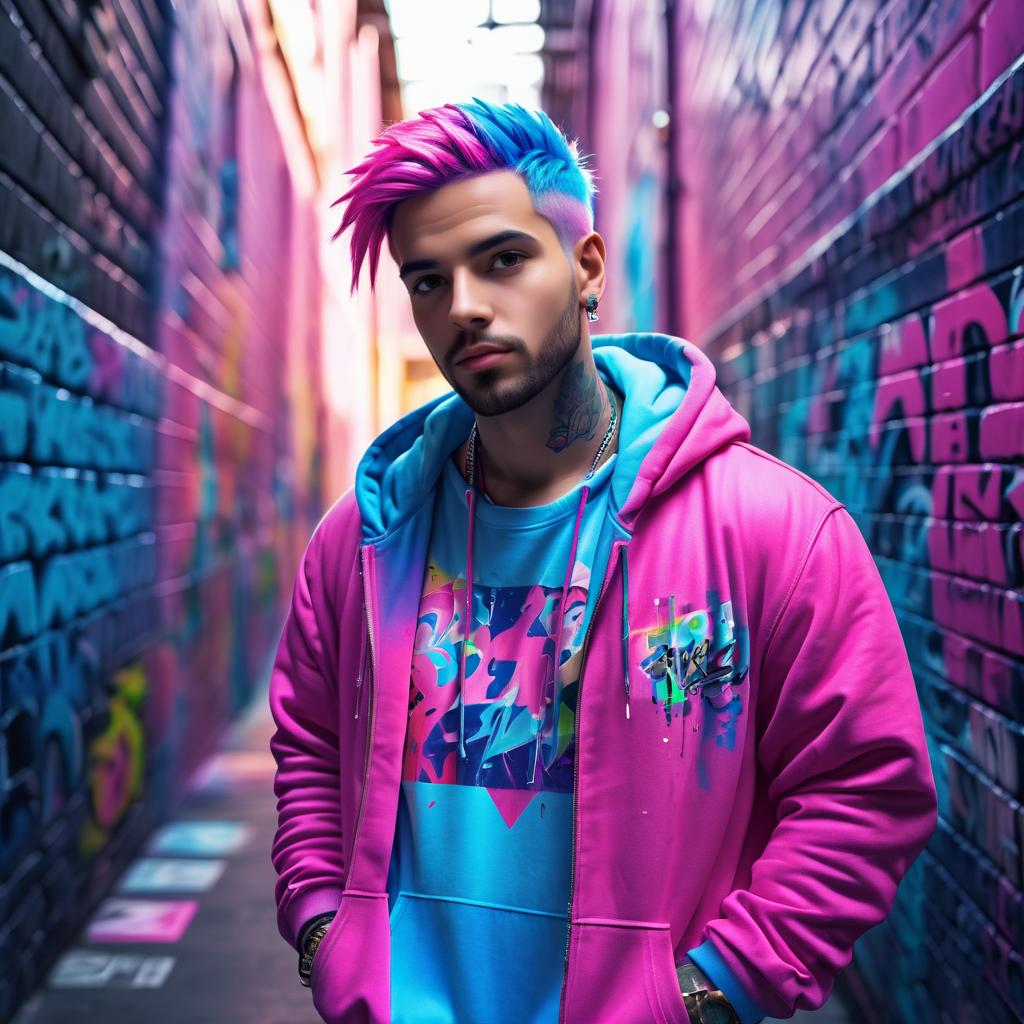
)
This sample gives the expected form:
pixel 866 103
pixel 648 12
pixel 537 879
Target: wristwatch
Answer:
pixel 312 935
pixel 704 1003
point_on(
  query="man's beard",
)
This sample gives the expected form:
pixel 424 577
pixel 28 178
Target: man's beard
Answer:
pixel 490 397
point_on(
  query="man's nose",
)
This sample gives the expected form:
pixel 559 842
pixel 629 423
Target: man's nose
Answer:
pixel 470 309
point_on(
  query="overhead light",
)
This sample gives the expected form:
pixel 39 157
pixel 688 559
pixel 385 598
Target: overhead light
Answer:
pixel 511 12
pixel 467 53
pixel 417 96
pixel 519 38
pixel 519 69
pixel 414 17
pixel 440 55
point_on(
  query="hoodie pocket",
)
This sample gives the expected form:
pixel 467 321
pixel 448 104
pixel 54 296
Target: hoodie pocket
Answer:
pixel 349 980
pixel 623 972
pixel 665 991
pixel 457 960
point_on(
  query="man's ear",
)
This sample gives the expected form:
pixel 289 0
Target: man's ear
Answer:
pixel 588 263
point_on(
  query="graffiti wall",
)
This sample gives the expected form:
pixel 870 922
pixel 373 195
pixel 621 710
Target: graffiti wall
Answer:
pixel 853 259
pixel 160 425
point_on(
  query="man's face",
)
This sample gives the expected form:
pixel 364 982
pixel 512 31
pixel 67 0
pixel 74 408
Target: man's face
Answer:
pixel 485 271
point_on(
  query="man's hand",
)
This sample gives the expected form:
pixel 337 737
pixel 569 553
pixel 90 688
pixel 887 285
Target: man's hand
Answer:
pixel 705 1004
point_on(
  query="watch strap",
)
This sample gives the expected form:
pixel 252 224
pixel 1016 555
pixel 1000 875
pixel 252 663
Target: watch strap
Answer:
pixel 710 1006
pixel 704 1002
pixel 309 941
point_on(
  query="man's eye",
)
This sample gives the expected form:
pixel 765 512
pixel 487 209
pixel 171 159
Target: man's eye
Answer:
pixel 417 290
pixel 517 257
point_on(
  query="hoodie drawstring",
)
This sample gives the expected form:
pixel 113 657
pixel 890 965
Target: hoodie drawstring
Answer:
pixel 557 628
pixel 467 621
pixel 625 621
pixel 363 634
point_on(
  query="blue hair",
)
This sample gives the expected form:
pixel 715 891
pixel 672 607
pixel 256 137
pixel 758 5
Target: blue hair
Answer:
pixel 529 143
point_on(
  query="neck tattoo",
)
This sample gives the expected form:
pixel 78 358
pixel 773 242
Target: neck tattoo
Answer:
pixel 471 457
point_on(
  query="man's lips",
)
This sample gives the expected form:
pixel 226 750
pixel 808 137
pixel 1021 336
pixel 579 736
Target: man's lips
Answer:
pixel 479 357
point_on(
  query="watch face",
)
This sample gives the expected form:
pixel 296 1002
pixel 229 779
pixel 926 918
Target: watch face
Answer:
pixel 716 1009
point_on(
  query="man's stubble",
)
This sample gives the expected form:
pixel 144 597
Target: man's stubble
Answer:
pixel 491 396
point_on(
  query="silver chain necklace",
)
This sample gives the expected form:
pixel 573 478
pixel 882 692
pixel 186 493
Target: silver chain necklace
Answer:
pixel 612 421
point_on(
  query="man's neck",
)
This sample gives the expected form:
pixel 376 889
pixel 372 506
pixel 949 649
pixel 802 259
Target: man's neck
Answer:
pixel 539 452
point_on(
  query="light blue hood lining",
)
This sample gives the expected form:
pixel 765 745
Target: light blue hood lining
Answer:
pixel 399 471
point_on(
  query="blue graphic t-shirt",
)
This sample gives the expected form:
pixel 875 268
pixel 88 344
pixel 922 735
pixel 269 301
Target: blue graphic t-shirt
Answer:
pixel 479 878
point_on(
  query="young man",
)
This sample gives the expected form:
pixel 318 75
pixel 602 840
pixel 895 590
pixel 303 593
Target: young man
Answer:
pixel 587 710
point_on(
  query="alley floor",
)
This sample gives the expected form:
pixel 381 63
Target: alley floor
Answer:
pixel 190 936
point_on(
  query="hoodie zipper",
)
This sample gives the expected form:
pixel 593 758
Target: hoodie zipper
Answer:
pixel 612 557
pixel 366 564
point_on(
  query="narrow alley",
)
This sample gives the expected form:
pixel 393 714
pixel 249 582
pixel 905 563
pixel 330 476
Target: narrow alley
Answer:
pixel 698 323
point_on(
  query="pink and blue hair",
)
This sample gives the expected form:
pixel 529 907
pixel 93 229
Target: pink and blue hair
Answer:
pixel 460 140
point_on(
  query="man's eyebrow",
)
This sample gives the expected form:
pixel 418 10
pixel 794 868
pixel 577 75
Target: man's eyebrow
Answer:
pixel 474 250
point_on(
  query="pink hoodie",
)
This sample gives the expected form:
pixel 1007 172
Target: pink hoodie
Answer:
pixel 758 824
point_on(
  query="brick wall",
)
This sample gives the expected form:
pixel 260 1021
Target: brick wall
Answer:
pixel 852 256
pixel 159 414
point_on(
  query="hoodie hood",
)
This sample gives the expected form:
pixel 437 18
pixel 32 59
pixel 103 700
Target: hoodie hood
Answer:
pixel 673 418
